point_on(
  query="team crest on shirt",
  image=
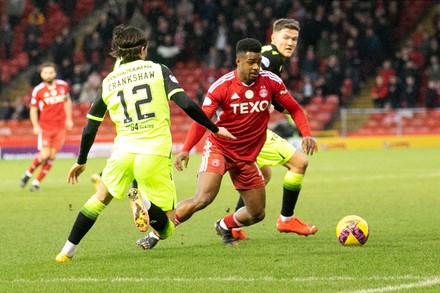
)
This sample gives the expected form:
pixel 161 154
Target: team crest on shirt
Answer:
pixel 263 92
pixel 216 162
pixel 249 94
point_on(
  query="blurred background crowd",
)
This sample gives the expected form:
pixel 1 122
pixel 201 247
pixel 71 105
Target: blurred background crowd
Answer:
pixel 342 45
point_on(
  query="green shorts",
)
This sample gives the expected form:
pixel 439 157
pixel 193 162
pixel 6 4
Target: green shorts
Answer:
pixel 276 151
pixel 154 175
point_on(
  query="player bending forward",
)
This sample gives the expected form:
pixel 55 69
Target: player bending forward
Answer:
pixel 276 150
pixel 136 95
pixel 243 97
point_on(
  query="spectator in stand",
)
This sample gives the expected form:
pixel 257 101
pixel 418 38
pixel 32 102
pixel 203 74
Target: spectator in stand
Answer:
pixel 41 5
pixel 15 9
pixel 93 43
pixel 105 29
pixel 386 71
pixel 6 110
pixel 51 115
pixel 21 108
pixel 432 99
pixel 208 10
pixel 310 64
pixel 432 48
pixel 410 92
pixel 6 36
pixel 79 77
pixel 433 70
pixel 67 6
pixel 410 69
pixel 334 76
pixel 213 59
pixel 185 10
pixel 394 92
pixel 371 51
pixel 32 48
pixel 34 23
pixel 153 10
pixel 180 40
pixel 324 45
pixel 307 90
pixel 168 52
pixel 66 69
pixel 379 93
pixel 200 94
pixel 352 65
pixel 90 88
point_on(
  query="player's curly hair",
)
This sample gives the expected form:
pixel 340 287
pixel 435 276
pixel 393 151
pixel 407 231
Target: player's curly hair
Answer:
pixel 127 42
pixel 248 45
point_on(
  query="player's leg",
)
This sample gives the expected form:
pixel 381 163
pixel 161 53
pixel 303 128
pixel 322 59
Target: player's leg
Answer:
pixel 211 172
pixel 35 163
pixel 52 144
pixel 116 177
pixel 267 174
pixel 208 185
pixel 84 221
pixel 292 183
pixel 154 176
pixel 46 166
pixel 248 180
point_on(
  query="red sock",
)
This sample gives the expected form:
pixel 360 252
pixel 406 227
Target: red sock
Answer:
pixel 35 164
pixel 231 222
pixel 46 167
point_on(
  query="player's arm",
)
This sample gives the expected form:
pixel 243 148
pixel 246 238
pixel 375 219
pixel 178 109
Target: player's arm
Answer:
pixel 95 117
pixel 298 115
pixel 33 115
pixel 68 110
pixel 194 111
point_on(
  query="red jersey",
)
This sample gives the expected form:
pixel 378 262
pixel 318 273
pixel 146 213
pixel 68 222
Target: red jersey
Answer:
pixel 244 112
pixel 50 101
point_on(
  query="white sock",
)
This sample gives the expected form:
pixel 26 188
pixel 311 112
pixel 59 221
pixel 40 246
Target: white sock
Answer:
pixel 154 235
pixel 36 182
pixel 147 202
pixel 286 219
pixel 69 248
pixel 223 225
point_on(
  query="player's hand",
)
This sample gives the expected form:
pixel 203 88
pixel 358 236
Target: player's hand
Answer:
pixel 309 145
pixel 75 171
pixel 37 129
pixel 181 161
pixel 223 132
pixel 69 124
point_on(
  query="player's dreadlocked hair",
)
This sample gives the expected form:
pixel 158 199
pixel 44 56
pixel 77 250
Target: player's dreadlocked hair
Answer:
pixel 289 23
pixel 127 42
pixel 248 45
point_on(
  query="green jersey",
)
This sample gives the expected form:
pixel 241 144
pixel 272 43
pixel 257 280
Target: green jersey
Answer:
pixel 136 95
pixel 272 59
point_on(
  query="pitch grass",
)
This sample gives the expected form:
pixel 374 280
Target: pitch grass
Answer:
pixel 395 190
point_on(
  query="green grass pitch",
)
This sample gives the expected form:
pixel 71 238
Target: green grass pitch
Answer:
pixel 397 191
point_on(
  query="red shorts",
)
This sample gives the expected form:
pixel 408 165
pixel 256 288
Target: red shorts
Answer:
pixel 53 139
pixel 244 175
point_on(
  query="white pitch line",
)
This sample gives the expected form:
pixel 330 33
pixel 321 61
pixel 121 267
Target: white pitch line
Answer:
pixel 422 284
pixel 230 279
